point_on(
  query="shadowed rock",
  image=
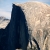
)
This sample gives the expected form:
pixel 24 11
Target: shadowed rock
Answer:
pixel 1 38
pixel 18 30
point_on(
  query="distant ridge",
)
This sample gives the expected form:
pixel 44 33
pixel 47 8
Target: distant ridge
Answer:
pixel 3 22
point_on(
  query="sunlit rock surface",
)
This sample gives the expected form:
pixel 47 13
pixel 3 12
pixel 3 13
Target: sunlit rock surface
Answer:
pixel 3 22
pixel 38 20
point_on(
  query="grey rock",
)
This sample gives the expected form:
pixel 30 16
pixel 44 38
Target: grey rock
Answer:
pixel 38 20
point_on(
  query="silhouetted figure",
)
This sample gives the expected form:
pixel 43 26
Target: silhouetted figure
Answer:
pixel 18 30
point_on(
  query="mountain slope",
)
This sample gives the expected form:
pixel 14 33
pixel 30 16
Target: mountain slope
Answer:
pixel 3 22
pixel 36 13
pixel 38 20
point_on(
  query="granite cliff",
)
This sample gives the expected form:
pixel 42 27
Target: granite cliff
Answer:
pixel 37 15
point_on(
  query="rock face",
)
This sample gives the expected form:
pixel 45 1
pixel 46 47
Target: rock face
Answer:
pixel 37 15
pixel 3 32
pixel 18 30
